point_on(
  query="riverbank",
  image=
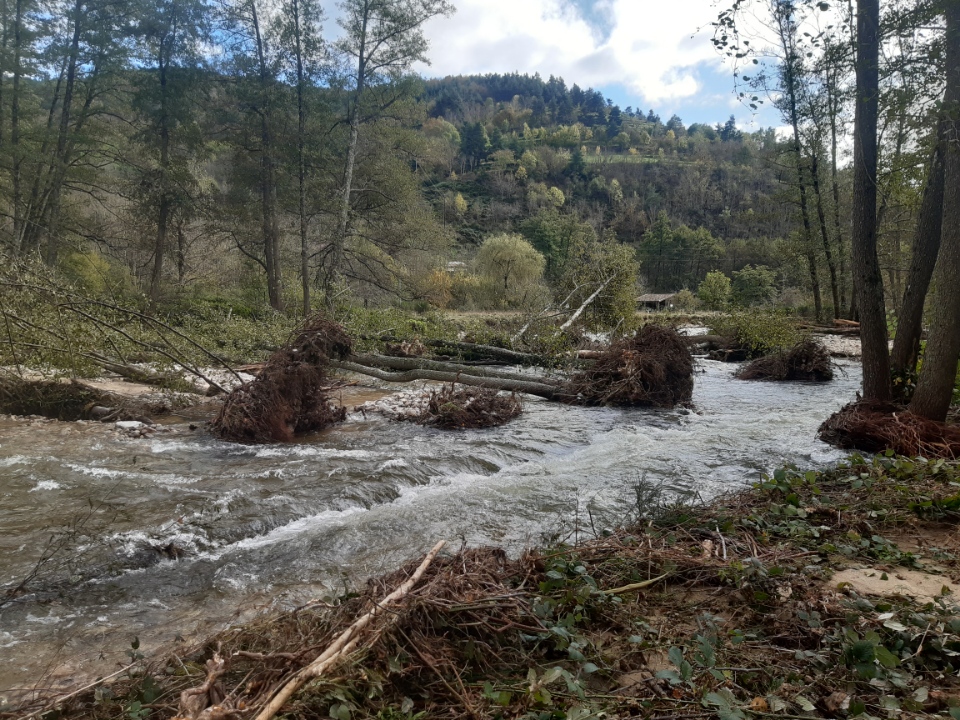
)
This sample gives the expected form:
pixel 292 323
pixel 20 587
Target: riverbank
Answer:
pixel 827 594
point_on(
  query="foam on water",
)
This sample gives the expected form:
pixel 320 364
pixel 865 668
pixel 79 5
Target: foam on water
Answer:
pixel 46 485
pixel 285 520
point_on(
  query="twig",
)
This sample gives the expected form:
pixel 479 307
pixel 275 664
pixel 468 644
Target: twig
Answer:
pixel 50 706
pixel 637 586
pixel 722 541
pixel 347 641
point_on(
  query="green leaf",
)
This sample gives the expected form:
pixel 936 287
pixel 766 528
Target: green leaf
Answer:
pixel 551 675
pixel 676 656
pixel 886 658
pixel 670 676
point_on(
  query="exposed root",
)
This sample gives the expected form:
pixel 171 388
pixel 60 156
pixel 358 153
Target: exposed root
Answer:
pixel 289 397
pixel 807 361
pixel 652 369
pixel 461 408
pixel 876 427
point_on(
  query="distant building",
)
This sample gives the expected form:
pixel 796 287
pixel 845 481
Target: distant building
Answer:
pixel 656 301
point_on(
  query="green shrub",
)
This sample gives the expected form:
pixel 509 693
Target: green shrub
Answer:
pixel 759 332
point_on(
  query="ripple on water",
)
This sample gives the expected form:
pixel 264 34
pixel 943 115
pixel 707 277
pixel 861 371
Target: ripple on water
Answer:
pixel 358 501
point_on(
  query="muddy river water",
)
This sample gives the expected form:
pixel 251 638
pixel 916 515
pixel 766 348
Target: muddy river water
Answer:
pixel 167 538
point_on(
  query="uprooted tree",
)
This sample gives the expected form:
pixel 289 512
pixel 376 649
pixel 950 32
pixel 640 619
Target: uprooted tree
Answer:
pixel 290 396
pixel 654 368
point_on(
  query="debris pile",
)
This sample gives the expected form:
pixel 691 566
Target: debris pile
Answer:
pixel 460 408
pixel 75 400
pixel 807 361
pixel 290 396
pixel 876 427
pixel 652 369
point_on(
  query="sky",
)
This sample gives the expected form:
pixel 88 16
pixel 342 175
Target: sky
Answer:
pixel 647 54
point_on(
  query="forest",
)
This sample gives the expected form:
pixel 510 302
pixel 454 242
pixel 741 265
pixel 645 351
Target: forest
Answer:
pixel 230 154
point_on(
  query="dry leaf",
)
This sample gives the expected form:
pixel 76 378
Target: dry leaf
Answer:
pixel 836 702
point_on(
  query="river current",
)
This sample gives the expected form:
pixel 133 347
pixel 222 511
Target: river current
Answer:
pixel 168 538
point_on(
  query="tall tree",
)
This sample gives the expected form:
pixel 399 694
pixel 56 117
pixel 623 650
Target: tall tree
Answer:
pixel 170 33
pixel 935 387
pixel 383 39
pixel 305 16
pixel 89 46
pixel 255 60
pixel 791 69
pixel 926 247
pixel 868 281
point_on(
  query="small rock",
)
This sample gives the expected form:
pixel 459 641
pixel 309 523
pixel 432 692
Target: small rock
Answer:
pixel 129 425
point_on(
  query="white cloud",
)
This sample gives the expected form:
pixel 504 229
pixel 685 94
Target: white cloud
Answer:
pixel 649 50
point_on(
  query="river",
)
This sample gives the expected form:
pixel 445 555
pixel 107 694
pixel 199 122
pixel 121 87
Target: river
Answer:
pixel 275 526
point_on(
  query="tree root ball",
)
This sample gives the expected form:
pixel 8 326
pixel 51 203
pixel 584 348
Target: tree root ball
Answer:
pixel 807 361
pixel 461 408
pixel 289 397
pixel 877 427
pixel 652 369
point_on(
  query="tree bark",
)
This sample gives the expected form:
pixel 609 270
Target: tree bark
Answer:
pixel 926 247
pixel 51 229
pixel 866 265
pixel 335 260
pixel 396 363
pixel 163 211
pixel 268 181
pixel 16 169
pixel 790 81
pixel 935 387
pixel 548 392
pixel 302 160
pixel 824 235
pixel 834 111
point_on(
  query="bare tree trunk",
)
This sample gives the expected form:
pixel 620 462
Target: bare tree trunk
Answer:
pixel 301 161
pixel 335 262
pixel 790 81
pixel 339 242
pixel 51 230
pixel 163 212
pixel 866 265
pixel 531 387
pixel 17 156
pixel 834 110
pixel 268 181
pixel 937 379
pixel 181 253
pixel 926 247
pixel 824 235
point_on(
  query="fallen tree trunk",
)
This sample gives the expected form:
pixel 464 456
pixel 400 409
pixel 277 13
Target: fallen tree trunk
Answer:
pixel 479 350
pixel 398 363
pixel 717 340
pixel 530 387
